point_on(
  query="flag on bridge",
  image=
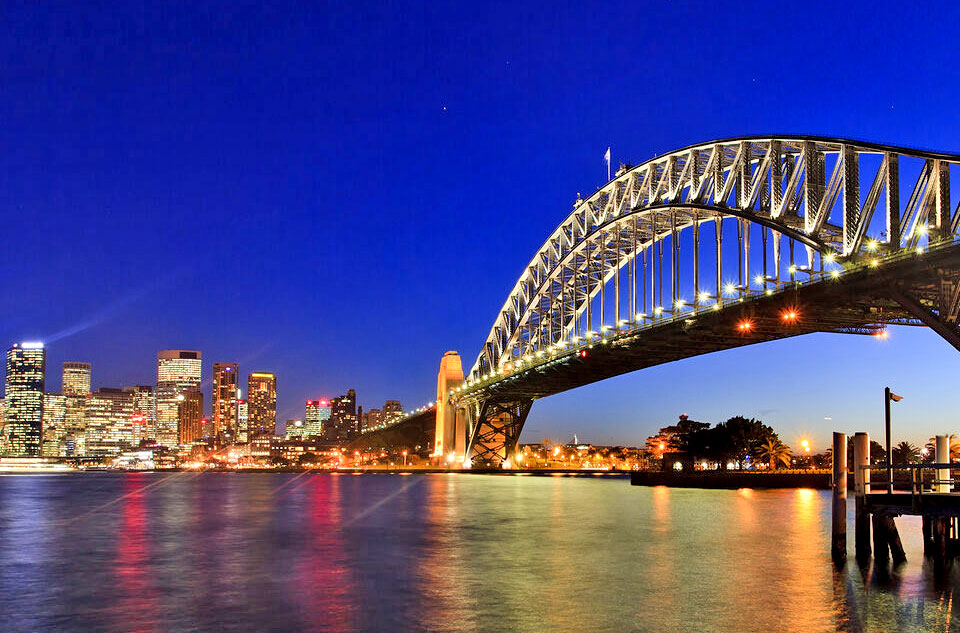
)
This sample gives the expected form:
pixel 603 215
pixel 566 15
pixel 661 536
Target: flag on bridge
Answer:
pixel 606 157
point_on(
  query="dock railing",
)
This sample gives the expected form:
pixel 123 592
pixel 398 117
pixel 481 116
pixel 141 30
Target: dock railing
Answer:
pixel 923 478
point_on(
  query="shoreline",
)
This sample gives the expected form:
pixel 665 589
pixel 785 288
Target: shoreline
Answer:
pixel 731 480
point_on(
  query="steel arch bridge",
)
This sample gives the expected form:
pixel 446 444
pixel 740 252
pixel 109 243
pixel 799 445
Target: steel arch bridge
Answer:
pixel 706 248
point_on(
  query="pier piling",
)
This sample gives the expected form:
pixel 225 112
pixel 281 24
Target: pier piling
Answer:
pixel 838 550
pixel 861 478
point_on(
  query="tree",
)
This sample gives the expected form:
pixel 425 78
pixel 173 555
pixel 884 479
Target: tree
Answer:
pixel 730 441
pixel 775 451
pixel 878 454
pixel 675 438
pixel 308 458
pixel 905 453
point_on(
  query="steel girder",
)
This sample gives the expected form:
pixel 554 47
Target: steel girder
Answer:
pixel 494 427
pixel 774 189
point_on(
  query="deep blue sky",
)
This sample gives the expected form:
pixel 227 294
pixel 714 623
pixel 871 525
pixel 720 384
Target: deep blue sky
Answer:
pixel 339 194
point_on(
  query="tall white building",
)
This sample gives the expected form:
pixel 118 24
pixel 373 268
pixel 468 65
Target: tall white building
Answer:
pixel 178 371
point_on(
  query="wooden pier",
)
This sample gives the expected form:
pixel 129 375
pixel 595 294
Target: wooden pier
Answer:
pixel 926 490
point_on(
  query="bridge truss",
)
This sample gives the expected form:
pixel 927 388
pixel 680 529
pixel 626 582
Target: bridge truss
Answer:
pixel 669 243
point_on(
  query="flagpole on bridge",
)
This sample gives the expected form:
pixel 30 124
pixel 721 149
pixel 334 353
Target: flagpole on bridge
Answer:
pixel 606 157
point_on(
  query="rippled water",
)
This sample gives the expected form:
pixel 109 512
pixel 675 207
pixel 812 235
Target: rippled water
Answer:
pixel 322 552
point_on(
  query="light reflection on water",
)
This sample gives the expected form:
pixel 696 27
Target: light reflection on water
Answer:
pixel 283 552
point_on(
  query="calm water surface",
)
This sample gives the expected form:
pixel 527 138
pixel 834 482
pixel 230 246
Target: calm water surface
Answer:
pixel 322 552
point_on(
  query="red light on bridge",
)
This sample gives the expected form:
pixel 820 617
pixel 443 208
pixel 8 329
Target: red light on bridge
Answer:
pixel 583 353
pixel 790 315
pixel 745 326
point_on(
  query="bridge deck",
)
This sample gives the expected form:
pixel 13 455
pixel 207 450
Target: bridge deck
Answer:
pixel 859 299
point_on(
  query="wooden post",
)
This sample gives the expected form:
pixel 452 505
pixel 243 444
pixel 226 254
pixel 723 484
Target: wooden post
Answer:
pixel 881 549
pixel 861 478
pixel 838 549
pixel 893 539
pixel 927 528
pixel 940 527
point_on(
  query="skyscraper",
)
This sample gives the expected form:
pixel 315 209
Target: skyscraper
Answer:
pixel 190 416
pixel 26 367
pixel 343 417
pixel 54 416
pixel 317 413
pixel 261 404
pixel 226 386
pixel 75 389
pixel 144 411
pixel 110 425
pixel 76 379
pixel 243 422
pixel 178 371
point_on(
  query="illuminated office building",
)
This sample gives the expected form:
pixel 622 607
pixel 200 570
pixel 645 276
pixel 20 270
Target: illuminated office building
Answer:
pixel 261 404
pixel 76 379
pixel 75 387
pixel 54 418
pixel 190 415
pixel 316 416
pixel 110 424
pixel 178 372
pixel 294 429
pixel 26 366
pixel 226 386
pixel 144 411
pixel 243 429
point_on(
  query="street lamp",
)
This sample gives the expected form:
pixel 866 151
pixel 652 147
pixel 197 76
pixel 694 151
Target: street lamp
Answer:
pixel 887 397
pixel 404 459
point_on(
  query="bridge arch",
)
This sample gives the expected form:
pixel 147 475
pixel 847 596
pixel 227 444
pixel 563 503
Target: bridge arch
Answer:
pixel 772 188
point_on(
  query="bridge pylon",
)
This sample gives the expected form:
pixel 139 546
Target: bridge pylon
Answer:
pixel 445 442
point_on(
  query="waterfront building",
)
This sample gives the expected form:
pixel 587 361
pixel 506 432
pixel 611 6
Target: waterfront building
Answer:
pixel 75 387
pixel 189 417
pixel 243 427
pixel 261 404
pixel 178 372
pixel 226 390
pixel 144 411
pixel 54 418
pixel 109 428
pixel 26 368
pixel 391 412
pixel 260 446
pixel 316 417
